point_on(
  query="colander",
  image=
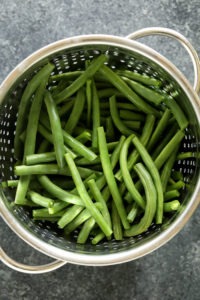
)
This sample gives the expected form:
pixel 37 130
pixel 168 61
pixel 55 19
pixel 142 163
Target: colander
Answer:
pixel 68 55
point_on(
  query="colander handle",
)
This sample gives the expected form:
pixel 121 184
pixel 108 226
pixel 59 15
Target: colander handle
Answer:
pixel 29 269
pixel 180 38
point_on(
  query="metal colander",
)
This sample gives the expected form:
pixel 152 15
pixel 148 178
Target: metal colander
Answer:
pixel 68 55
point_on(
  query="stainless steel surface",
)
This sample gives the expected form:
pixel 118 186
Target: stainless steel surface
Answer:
pixel 66 54
pixel 178 37
pixel 13 264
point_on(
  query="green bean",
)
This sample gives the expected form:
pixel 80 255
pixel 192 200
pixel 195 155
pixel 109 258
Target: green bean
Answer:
pixel 124 88
pixel 131 115
pixel 177 185
pixel 80 81
pixel 30 140
pixel 38 158
pixel 57 192
pixel 155 175
pixel 32 85
pixel 99 198
pixel 89 100
pixel 84 136
pixel 83 216
pixel 60 86
pixel 9 183
pixel 78 147
pixel 120 105
pixel 116 223
pixel 47 135
pixel 53 169
pixel 167 168
pixel 83 161
pixel 161 126
pixel 116 118
pixel 100 236
pixel 150 210
pixel 133 125
pixel 95 115
pixel 57 207
pixel 143 78
pixel 172 194
pixel 85 197
pixel 67 75
pixel 85 181
pixel 43 212
pixel 70 214
pixel 177 112
pixel 56 129
pixel 107 169
pixel 85 231
pixel 144 138
pixel 145 92
pixel 108 92
pixel 66 107
pixel 40 200
pixel 171 206
pixel 132 213
pixel 168 149
pixel 44 145
pixel 177 175
pixel 164 141
pixel 126 174
pixel 76 111
pixel 186 155
pixel 110 131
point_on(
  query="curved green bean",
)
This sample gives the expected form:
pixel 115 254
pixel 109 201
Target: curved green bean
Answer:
pixel 151 197
pixel 126 174
pixel 108 173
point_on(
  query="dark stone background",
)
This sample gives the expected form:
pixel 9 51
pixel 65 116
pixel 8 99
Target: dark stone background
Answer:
pixel 171 272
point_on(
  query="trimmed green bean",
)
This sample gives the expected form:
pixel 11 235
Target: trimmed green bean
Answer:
pixel 116 223
pixel 85 197
pixel 110 131
pixel 56 129
pixel 171 194
pixel 89 100
pixel 126 90
pixel 70 214
pixel 155 175
pixel 131 115
pixel 99 198
pixel 132 213
pixel 66 107
pixel 38 158
pixel 76 111
pixel 147 93
pixel 176 186
pixel 57 207
pixel 151 197
pixel 40 200
pixel 169 149
pixel 177 112
pixel 95 115
pixel 144 138
pixel 171 206
pixel 133 125
pixel 32 85
pixel 80 81
pixel 143 78
pixel 116 118
pixel 99 237
pixel 68 76
pixel 126 174
pixel 57 192
pixel 43 212
pixel 107 168
pixel 85 230
pixel 161 126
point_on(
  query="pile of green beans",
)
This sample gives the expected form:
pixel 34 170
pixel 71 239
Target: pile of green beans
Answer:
pixel 96 151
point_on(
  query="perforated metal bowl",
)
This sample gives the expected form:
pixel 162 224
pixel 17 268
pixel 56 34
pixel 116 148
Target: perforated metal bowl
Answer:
pixel 67 55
